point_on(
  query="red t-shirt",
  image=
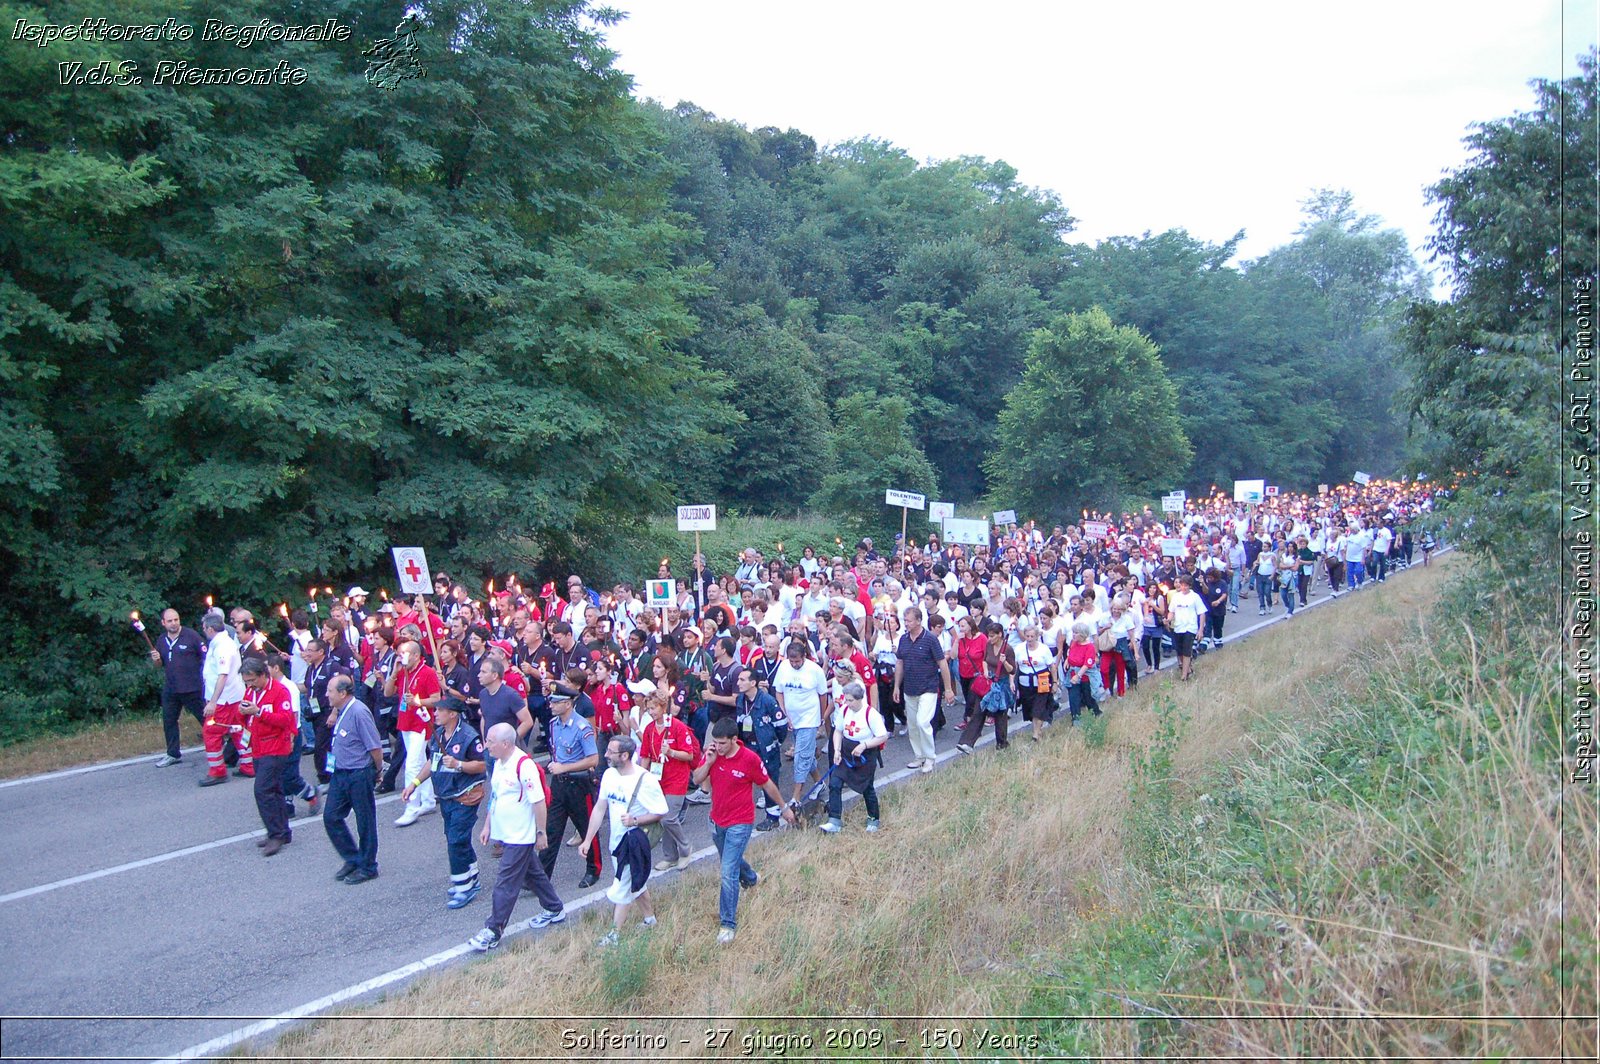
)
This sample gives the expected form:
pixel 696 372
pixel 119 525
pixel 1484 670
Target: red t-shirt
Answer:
pixel 653 745
pixel 425 683
pixel 272 730
pixel 732 800
pixel 610 701
pixel 517 682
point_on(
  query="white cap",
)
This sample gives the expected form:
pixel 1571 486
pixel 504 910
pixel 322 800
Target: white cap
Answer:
pixel 357 590
pixel 643 688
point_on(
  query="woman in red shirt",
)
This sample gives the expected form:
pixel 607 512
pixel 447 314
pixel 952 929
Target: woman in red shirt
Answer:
pixel 970 646
pixel 1081 658
pixel 667 748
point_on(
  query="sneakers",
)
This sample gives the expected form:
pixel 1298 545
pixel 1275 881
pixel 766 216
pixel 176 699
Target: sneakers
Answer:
pixel 167 759
pixel 901 730
pixel 344 871
pixel 212 781
pixel 753 883
pixel 724 936
pixel 273 846
pixel 683 862
pixel 663 865
pixel 610 938
pixel 915 762
pixel 312 800
pixel 766 823
pixel 872 823
pixel 358 877
pixel 546 918
pixel 248 774
pixel 927 765
pixel 648 921
pixel 484 941
pixel 409 817
pixel 833 826
pixel 698 797
pixel 463 898
pixel 589 879
pixel 964 748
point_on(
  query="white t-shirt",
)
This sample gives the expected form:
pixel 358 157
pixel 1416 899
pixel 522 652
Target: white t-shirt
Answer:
pixel 802 690
pixel 1032 661
pixel 512 798
pixel 1355 547
pixel 1185 612
pixel 616 790
pixel 222 659
pixel 857 724
pixel 1381 541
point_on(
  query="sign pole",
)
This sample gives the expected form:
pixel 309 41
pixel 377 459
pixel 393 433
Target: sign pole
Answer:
pixel 427 625
pixel 905 512
pixel 699 584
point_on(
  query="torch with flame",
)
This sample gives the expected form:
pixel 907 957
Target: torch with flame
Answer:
pixel 138 626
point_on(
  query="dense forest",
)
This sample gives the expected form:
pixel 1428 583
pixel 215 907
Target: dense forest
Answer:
pixel 253 336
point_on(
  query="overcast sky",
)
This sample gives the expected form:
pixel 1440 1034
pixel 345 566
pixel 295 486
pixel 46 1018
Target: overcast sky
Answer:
pixel 1141 116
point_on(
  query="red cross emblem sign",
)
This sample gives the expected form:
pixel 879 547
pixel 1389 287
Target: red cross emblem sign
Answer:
pixel 412 565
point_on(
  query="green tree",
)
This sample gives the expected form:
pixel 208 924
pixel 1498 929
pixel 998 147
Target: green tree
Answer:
pixel 873 452
pixel 255 333
pixel 1517 223
pixel 1092 422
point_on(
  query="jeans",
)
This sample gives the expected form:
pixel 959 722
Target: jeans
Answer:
pixel 1380 566
pixel 1288 593
pixel 1079 695
pixel 294 784
pixel 836 798
pixel 805 755
pixel 459 821
pixel 351 789
pixel 1357 572
pixel 699 722
pixel 736 871
pixel 1233 589
pixel 1264 582
pixel 172 706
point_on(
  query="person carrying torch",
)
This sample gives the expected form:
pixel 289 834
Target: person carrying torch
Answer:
pixel 179 651
pixel 224 689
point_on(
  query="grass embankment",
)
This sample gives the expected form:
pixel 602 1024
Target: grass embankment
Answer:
pixel 86 744
pixel 1331 819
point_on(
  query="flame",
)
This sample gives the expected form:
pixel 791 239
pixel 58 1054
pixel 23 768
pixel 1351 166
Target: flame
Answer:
pixel 208 602
pixel 283 609
pixel 313 593
pixel 134 616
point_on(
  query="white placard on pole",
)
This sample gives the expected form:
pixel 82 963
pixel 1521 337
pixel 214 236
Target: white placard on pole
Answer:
pixel 1171 505
pixel 1322 489
pixel 1173 548
pixel 697 519
pixel 412 565
pixel 938 511
pixel 1272 490
pixel 1096 529
pixel 659 594
pixel 1005 517
pixel 908 499
pixel 974 532
pixel 1249 490
pixel 1177 493
pixel 1363 478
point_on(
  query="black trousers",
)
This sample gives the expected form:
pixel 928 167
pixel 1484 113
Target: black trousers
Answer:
pixel 571 799
pixel 173 703
pixel 269 795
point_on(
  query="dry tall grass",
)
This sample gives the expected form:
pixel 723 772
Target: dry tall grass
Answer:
pixel 981 870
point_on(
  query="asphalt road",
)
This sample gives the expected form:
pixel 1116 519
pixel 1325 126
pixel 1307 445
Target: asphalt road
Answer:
pixel 130 897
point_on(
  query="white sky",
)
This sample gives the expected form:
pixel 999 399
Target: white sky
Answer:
pixel 1141 116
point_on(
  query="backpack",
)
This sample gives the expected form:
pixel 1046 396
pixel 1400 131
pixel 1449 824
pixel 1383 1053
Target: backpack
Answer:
pixel 544 783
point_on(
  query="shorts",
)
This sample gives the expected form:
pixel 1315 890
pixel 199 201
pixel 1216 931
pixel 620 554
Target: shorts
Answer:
pixel 1184 642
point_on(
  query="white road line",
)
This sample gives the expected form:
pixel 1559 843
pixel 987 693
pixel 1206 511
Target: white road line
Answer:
pixel 101 767
pixel 223 1043
pixel 160 858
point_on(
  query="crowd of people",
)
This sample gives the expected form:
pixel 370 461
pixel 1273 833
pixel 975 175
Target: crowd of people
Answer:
pixel 572 709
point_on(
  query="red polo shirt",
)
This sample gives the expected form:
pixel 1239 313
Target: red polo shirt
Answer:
pixel 730 780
